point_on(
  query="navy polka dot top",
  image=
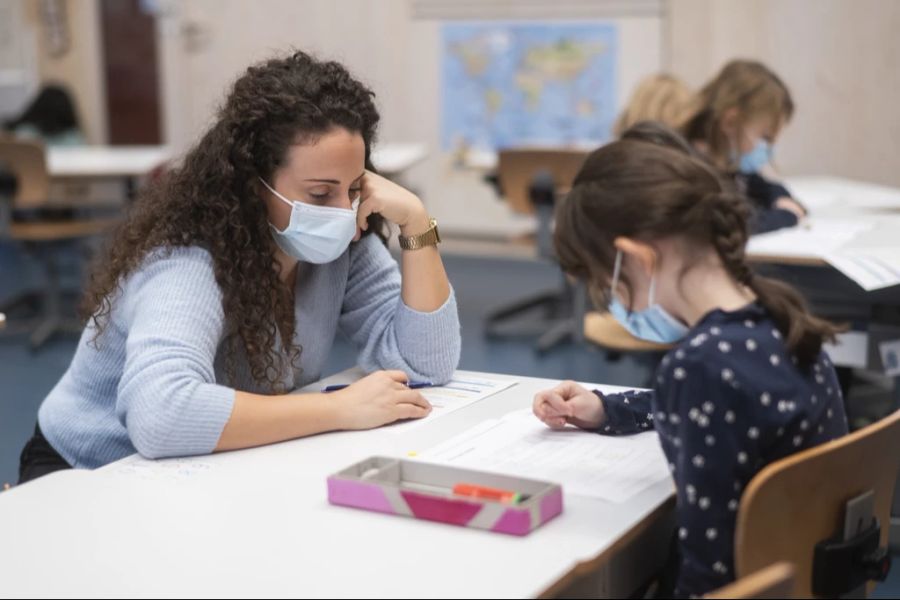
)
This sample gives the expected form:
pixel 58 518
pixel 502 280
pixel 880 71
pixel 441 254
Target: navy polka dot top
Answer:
pixel 726 402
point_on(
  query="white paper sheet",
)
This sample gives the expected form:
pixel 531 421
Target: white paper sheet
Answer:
pixel 171 470
pixel 834 194
pixel 585 463
pixel 462 390
pixel 812 239
pixel 851 349
pixel 871 268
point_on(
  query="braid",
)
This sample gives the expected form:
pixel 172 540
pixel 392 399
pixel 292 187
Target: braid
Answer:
pixel 728 214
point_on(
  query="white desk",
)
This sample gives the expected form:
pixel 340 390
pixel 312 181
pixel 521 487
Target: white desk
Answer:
pixel 392 160
pixel 134 161
pixel 854 216
pixel 487 160
pixel 843 213
pixel 846 217
pixel 98 162
pixel 257 523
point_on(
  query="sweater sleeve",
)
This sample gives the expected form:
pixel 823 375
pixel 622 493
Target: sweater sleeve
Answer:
pixel 388 333
pixel 627 412
pixel 168 398
pixel 765 220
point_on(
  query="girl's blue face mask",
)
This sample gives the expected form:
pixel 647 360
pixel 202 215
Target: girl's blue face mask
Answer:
pixel 758 157
pixel 654 323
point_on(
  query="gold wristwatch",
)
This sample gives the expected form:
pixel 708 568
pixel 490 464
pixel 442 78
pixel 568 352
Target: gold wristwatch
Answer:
pixel 430 238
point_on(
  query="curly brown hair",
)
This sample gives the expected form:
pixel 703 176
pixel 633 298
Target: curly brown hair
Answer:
pixel 213 201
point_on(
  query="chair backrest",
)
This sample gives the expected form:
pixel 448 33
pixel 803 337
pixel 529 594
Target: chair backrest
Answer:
pixel 799 501
pixel 26 161
pixel 774 581
pixel 601 328
pixel 517 167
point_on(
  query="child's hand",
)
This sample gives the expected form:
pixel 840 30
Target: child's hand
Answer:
pixel 788 203
pixel 569 403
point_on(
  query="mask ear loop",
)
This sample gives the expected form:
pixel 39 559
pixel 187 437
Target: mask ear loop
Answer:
pixel 617 269
pixel 277 195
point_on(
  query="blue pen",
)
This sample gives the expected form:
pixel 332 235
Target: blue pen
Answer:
pixel 417 385
pixel 413 385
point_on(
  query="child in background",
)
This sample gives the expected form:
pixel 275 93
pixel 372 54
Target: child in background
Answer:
pixel 735 120
pixel 660 97
pixel 660 240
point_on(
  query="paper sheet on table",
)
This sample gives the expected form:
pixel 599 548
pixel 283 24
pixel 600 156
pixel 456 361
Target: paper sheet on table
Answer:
pixel 871 268
pixel 585 463
pixel 170 470
pixel 814 238
pixel 836 194
pixel 462 390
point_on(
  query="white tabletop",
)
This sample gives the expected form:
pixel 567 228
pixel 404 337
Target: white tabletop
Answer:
pixel 480 159
pixel 105 161
pixel 133 161
pixel 843 214
pixel 392 159
pixel 257 522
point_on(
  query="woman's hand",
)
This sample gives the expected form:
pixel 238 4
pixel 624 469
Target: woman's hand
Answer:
pixel 381 398
pixel 393 202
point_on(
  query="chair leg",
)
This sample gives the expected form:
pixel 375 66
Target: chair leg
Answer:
pixel 29 300
pixel 511 310
pixel 44 332
pixel 562 317
pixel 559 333
pixel 53 321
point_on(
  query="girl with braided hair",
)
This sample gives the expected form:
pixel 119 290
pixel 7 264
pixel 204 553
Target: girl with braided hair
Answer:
pixel 225 286
pixel 660 241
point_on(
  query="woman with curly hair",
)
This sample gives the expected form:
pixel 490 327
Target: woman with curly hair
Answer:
pixel 224 288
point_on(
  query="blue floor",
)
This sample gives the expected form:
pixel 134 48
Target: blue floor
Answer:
pixel 25 377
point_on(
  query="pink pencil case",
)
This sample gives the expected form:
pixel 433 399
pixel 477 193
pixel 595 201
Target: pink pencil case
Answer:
pixel 424 491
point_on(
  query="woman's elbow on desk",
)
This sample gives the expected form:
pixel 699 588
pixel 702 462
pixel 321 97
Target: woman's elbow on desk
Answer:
pixel 186 419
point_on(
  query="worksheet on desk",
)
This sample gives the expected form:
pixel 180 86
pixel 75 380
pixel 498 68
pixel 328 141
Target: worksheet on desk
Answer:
pixel 870 268
pixel 814 237
pixel 462 390
pixel 585 463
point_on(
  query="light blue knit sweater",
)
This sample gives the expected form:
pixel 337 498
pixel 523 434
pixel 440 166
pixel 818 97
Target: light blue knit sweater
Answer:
pixel 154 385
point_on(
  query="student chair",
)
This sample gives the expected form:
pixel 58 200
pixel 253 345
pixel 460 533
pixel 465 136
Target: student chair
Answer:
pixel 602 330
pixel 825 510
pixel 43 236
pixel 531 180
pixel 774 581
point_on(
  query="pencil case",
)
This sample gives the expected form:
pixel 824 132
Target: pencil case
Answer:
pixel 425 491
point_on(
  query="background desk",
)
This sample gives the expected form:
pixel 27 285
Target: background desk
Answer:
pixel 257 523
pixel 393 160
pixel 77 166
pixel 132 162
pixel 98 162
pixel 874 315
pixel 850 215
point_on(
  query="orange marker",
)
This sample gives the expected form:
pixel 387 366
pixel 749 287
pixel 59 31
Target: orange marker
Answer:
pixel 486 493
